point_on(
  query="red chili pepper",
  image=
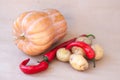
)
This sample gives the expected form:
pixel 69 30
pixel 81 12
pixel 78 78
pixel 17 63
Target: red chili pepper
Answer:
pixel 90 54
pixel 88 50
pixel 49 56
pixel 31 69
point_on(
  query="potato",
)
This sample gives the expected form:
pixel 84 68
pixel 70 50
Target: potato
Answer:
pixel 78 50
pixel 78 62
pixel 99 52
pixel 63 54
pixel 84 39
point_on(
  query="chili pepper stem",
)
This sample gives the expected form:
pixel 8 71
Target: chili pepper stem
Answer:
pixel 49 56
pixel 91 35
pixel 45 58
pixel 87 35
pixel 94 64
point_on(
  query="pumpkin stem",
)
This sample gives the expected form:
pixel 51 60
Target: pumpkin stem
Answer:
pixel 22 36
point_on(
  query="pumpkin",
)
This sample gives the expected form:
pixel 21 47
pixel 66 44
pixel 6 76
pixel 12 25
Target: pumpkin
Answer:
pixel 36 31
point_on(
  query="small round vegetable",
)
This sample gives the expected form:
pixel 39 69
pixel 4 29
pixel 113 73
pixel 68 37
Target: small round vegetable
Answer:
pixel 78 62
pixel 78 50
pixel 84 39
pixel 63 54
pixel 98 51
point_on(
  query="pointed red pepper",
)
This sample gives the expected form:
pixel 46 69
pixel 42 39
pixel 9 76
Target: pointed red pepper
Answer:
pixel 43 65
pixel 89 52
pixel 49 56
pixel 31 69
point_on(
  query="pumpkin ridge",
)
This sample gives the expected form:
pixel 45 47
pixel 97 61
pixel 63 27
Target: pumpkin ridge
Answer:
pixel 59 23
pixel 25 19
pixel 59 31
pixel 36 48
pixel 47 31
pixel 16 31
pixel 39 35
pixel 59 36
pixel 30 19
pixel 34 23
pixel 51 13
pixel 20 44
pixel 19 19
pixel 46 39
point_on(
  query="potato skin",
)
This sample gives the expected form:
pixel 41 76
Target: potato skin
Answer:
pixel 84 39
pixel 78 62
pixel 99 52
pixel 63 54
pixel 78 50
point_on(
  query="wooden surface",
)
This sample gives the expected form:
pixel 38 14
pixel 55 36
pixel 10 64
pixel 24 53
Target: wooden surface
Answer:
pixel 99 17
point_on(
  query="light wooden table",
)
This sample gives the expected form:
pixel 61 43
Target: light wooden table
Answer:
pixel 99 17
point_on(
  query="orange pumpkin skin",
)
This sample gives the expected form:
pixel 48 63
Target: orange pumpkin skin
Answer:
pixel 36 31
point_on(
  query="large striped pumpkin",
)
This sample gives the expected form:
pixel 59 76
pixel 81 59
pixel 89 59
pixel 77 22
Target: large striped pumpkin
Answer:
pixel 36 31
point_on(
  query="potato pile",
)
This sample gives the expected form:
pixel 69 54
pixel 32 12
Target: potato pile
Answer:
pixel 76 56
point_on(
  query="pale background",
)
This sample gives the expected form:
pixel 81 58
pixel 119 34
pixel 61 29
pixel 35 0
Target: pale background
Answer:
pixel 99 17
